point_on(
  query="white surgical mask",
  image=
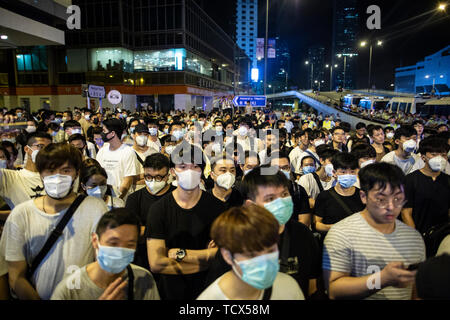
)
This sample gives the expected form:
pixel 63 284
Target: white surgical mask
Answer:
pixel 188 179
pixel 141 140
pixel 329 169
pixel 226 180
pixel 409 146
pixel 169 149
pixel 243 131
pixel 437 163
pixel 153 131
pixel 76 131
pixel 155 186
pixel 30 129
pixel 98 192
pixel 390 135
pixel 34 155
pixel 58 186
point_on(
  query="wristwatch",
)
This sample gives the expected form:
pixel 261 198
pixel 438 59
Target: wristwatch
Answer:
pixel 181 253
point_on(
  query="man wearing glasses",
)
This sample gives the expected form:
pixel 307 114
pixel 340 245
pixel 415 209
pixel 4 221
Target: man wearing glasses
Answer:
pixel 17 186
pixel 156 176
pixel 371 254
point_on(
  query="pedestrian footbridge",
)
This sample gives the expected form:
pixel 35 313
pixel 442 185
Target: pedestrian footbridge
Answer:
pixel 320 105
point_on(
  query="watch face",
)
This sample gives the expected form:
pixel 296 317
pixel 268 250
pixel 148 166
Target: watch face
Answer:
pixel 181 254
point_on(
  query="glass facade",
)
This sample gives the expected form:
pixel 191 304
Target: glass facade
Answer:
pixel 111 59
pixel 160 60
pixel 32 59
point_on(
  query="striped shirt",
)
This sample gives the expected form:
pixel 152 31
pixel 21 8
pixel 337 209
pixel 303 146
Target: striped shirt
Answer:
pixel 353 246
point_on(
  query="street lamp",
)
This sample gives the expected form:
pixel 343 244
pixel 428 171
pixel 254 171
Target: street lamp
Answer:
pixel 312 72
pixel 442 6
pixel 331 74
pixel 345 55
pixel 363 44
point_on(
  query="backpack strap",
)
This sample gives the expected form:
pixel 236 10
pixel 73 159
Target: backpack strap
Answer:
pixel 267 294
pixel 130 283
pixel 319 183
pixel 139 159
pixel 341 202
pixel 54 236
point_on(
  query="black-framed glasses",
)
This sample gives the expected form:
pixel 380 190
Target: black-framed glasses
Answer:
pixel 158 178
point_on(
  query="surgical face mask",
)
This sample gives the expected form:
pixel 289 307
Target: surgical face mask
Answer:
pixel 64 119
pixel 309 169
pixel 329 169
pixel 178 134
pixel 19 115
pixel 347 180
pixel 3 164
pixel 98 192
pixel 105 138
pixel 141 140
pixel 319 143
pixel 409 146
pixel 12 140
pixel 366 163
pixel 87 117
pixel 437 163
pixel 169 149
pixel 390 135
pixel 281 208
pixel 247 171
pixel 226 180
pixel 132 130
pixel 34 155
pixel 153 131
pixel 114 259
pixel 30 129
pixel 58 186
pixel 155 186
pixel 243 131
pixel 201 123
pixel 75 131
pixel 99 142
pixel 188 179
pixel 287 174
pixel 166 131
pixel 259 272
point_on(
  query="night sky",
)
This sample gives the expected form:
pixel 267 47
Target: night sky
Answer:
pixel 409 28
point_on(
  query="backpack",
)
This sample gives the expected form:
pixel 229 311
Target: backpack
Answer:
pixel 433 238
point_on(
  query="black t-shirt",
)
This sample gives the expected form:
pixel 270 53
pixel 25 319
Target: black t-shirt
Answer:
pixel 186 229
pixel 235 199
pixel 300 199
pixel 139 203
pixel 430 200
pixel 331 211
pixel 300 257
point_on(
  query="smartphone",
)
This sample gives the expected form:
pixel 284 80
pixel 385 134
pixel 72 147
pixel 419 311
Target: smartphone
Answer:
pixel 413 267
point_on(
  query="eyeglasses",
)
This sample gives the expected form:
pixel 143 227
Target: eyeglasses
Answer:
pixel 397 202
pixel 150 178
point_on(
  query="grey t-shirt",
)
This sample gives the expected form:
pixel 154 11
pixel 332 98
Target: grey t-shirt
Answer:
pixel 78 286
pixel 28 228
pixel 353 246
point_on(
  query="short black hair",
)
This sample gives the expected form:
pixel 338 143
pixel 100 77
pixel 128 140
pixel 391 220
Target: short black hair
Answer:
pixel 9 144
pixel 371 129
pixel 31 138
pixel 87 171
pixel 157 161
pixel 404 131
pixel 363 150
pixel 300 133
pixel 71 124
pixel 433 145
pixel 255 179
pixel 307 157
pixel 344 160
pixel 381 174
pixel 326 152
pixel 77 136
pixel 114 125
pixel 115 218
pixel 337 128
pixel 7 154
pixel 360 125
pixel 186 151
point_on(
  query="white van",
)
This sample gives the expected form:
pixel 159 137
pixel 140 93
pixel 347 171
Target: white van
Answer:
pixel 405 105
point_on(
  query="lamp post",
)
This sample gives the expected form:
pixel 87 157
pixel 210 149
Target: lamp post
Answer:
pixel 345 55
pixel 331 74
pixel 312 72
pixel 265 46
pixel 364 44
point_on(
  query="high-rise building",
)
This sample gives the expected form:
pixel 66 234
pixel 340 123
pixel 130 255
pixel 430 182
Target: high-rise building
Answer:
pixel 345 29
pixel 316 58
pixel 279 68
pixel 247 27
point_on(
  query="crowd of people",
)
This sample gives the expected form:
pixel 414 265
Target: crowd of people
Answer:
pixel 222 205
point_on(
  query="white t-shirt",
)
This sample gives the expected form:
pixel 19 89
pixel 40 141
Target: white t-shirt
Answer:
pixel 408 166
pixel 353 246
pixel 91 148
pixel 294 156
pixel 308 182
pixel 284 288
pixel 27 229
pixel 118 164
pixel 18 186
pixel 154 145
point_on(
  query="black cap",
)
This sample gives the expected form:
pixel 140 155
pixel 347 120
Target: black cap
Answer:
pixel 141 128
pixel 433 278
